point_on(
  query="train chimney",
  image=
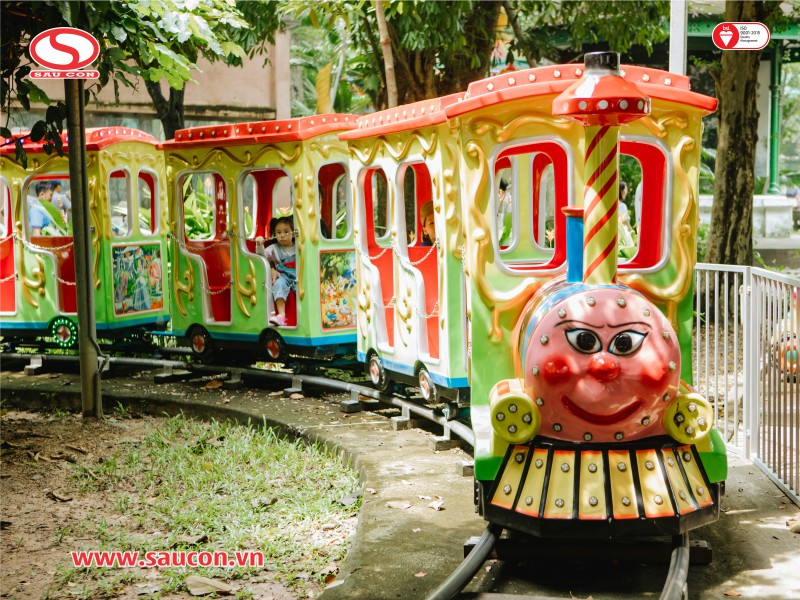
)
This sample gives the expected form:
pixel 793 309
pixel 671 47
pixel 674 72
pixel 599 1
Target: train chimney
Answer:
pixel 602 101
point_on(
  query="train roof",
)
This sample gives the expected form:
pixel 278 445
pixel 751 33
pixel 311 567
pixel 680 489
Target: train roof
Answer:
pixel 403 118
pixel 541 81
pixel 97 138
pixel 261 132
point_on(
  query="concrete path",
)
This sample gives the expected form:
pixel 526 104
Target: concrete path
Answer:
pixel 405 553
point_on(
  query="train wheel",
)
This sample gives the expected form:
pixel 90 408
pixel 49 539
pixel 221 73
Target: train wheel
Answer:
pixel 275 346
pixel 201 344
pixel 450 411
pixel 426 386
pixel 64 331
pixel 377 374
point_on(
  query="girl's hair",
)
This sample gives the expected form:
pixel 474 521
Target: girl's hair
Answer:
pixel 273 224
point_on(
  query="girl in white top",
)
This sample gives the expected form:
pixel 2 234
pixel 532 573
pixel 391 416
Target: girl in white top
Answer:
pixel 282 257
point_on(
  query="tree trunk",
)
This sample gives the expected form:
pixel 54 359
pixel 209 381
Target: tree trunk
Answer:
pixel 730 238
pixel 388 61
pixel 169 111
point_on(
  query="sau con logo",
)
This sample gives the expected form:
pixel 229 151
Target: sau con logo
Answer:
pixel 64 51
pixel 740 36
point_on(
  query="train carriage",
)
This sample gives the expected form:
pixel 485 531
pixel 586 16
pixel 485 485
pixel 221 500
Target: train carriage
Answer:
pixel 584 422
pixel 412 306
pixel 128 217
pixel 227 184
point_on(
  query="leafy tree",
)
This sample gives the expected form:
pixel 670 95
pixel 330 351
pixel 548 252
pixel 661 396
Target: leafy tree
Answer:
pixel 730 238
pixel 152 39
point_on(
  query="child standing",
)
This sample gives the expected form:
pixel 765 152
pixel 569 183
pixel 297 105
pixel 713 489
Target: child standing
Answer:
pixel 282 257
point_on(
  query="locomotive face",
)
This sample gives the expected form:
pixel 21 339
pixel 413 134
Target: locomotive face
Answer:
pixel 602 366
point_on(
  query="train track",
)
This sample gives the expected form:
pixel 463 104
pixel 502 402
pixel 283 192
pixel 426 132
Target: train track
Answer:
pixel 480 550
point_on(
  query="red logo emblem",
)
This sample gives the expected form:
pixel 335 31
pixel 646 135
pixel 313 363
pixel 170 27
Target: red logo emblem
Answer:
pixel 64 48
pixel 740 36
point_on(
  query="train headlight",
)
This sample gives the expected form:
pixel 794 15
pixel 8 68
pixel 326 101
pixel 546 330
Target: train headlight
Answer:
pixel 515 418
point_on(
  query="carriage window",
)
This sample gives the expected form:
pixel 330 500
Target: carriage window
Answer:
pixel 119 204
pixel 204 210
pixel 148 216
pixel 5 208
pixel 417 193
pixel 531 185
pixel 333 205
pixel 629 210
pixel 249 200
pixel 49 207
pixel 379 194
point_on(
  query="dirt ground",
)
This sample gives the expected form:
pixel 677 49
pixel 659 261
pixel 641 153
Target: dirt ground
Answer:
pixel 44 514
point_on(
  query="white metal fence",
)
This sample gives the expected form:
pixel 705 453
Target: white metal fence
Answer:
pixel 746 344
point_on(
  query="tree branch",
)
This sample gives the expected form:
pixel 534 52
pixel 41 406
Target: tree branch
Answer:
pixel 518 32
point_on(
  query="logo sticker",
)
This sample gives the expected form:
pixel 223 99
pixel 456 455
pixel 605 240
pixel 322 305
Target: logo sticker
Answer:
pixel 64 51
pixel 740 36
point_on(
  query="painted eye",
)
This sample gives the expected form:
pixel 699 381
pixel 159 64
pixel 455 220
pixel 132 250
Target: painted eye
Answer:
pixel 626 342
pixel 584 340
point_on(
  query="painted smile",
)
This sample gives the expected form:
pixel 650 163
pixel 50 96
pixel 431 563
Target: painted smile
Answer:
pixel 616 417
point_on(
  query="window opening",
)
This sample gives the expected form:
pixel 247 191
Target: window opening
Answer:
pixel 146 194
pixel 119 204
pixel 335 214
pixel 49 207
pixel 204 206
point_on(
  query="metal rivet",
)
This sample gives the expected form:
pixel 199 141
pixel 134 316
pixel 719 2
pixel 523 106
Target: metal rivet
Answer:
pixel 689 430
pixel 559 503
pixel 679 418
pixel 619 435
pixel 535 370
pixel 556 73
pixel 667 81
pixel 645 421
pixel 623 104
pixel 565 467
pixel 701 422
pixel 539 463
pixel 672 365
pixel 621 302
pixel 665 334
pixel 511 81
pixel 526 418
pixel 692 407
pixel 512 429
pixel 531 77
pixel 507 489
pixel 544 339
pixel 556 426
pixel 519 457
pixel 489 87
pixel 592 501
pixel 701 490
pixel 622 466
pixel 587 436
pixel 626 501
pixel 682 495
pixel 540 402
pixel 646 312
pixel 671 462
pixel 658 500
pixel 645 77
pixel 666 398
pixel 592 468
pixel 578 72
pixel 512 408
pixel 562 313
pixel 590 301
pixel 649 465
pixel 500 416
pixel 582 105
pixel 528 500
pixel 603 104
pixel 687 457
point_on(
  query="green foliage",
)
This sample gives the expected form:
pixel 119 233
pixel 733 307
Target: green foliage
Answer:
pixel 57 224
pixel 702 241
pixel 198 213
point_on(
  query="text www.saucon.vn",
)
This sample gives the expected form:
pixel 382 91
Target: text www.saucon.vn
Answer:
pixel 162 558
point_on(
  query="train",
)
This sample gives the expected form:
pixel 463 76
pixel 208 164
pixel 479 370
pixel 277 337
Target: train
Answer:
pixel 475 248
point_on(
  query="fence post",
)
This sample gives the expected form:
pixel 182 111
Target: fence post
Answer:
pixel 750 305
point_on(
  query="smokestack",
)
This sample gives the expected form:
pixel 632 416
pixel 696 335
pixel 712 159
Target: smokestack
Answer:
pixel 601 101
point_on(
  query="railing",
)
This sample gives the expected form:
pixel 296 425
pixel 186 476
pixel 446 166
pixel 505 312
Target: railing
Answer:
pixel 746 345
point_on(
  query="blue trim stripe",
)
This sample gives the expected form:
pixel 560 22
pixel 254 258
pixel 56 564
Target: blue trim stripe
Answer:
pixel 25 325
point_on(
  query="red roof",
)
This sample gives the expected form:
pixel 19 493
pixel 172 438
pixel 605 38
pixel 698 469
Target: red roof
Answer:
pixel 261 132
pixel 541 81
pixel 403 118
pixel 97 138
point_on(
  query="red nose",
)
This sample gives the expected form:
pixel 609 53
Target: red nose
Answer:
pixel 603 368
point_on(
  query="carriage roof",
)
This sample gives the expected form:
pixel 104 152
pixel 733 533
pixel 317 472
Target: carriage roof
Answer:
pixel 554 79
pixel 97 138
pixel 261 132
